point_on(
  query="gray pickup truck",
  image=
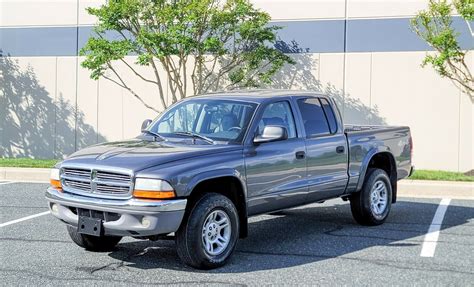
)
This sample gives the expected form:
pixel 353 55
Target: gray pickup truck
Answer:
pixel 201 168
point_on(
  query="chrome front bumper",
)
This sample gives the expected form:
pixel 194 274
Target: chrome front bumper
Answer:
pixel 162 217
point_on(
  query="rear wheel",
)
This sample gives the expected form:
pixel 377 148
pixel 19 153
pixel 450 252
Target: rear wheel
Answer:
pixel 372 204
pixel 93 243
pixel 208 237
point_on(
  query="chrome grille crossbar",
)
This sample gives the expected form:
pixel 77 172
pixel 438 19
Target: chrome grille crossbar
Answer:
pixel 76 178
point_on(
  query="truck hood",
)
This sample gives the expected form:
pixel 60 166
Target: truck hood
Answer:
pixel 137 154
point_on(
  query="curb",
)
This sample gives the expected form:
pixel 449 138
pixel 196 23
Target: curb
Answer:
pixel 24 174
pixel 436 189
pixel 406 187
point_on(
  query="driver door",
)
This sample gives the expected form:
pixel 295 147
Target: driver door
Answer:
pixel 276 171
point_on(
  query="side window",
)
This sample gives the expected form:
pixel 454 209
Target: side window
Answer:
pixel 314 120
pixel 330 115
pixel 278 114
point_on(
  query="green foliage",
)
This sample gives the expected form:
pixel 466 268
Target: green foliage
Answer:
pixel 205 44
pixel 441 175
pixel 434 25
pixel 102 52
pixel 465 9
pixel 27 162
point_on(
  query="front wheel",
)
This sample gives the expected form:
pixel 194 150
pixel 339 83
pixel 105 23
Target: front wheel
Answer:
pixel 372 204
pixel 93 243
pixel 208 236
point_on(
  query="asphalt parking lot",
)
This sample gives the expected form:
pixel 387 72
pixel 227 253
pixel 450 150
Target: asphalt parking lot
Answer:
pixel 312 245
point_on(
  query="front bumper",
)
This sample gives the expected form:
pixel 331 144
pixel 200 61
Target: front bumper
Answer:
pixel 162 217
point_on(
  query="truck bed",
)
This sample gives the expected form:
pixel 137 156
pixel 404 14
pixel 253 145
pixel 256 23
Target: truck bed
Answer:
pixel 364 140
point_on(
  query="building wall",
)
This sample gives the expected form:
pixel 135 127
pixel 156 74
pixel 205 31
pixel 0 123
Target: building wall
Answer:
pixel 361 52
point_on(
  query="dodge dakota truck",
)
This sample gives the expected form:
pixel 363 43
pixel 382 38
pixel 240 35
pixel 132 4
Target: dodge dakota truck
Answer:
pixel 206 164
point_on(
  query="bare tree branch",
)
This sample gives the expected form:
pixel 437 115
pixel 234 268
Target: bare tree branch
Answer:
pixel 136 73
pixel 124 85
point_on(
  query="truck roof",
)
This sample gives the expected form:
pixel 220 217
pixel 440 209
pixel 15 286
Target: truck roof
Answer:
pixel 258 95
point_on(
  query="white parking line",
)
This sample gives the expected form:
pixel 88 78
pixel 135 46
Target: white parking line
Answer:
pixel 431 238
pixel 6 182
pixel 24 218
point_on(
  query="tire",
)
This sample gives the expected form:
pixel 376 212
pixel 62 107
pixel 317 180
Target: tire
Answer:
pixel 191 239
pixel 93 243
pixel 376 188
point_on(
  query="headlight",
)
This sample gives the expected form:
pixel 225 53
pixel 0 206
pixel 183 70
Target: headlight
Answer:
pixel 54 178
pixel 153 189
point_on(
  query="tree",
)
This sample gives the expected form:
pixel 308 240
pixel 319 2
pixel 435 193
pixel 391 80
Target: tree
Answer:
pixel 195 45
pixel 434 25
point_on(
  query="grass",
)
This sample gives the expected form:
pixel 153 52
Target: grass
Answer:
pixel 441 175
pixel 27 162
pixel 418 174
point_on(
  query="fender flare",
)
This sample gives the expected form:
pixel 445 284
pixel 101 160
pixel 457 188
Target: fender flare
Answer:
pixel 365 163
pixel 219 173
pixel 214 174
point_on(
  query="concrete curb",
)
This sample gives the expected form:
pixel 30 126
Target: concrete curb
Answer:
pixel 406 187
pixel 24 174
pixel 436 189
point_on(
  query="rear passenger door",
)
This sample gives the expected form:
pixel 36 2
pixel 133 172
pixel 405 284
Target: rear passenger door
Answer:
pixel 326 149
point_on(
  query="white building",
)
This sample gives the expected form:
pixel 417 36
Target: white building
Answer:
pixel 363 52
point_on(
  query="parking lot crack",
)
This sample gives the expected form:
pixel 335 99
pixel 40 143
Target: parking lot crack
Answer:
pixel 34 240
pixel 111 266
pixel 145 251
pixel 114 266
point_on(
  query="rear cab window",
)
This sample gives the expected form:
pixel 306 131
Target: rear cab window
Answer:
pixel 318 117
pixel 329 115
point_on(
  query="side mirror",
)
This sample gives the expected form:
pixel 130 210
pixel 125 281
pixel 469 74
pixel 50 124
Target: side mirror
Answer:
pixel 271 134
pixel 145 124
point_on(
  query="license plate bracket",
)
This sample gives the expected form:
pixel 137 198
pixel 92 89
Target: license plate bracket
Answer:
pixel 90 226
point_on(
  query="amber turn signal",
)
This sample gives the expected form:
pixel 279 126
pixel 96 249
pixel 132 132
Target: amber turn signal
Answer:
pixel 54 179
pixel 55 183
pixel 153 194
pixel 149 188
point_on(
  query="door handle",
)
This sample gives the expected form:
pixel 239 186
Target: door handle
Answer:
pixel 340 149
pixel 300 154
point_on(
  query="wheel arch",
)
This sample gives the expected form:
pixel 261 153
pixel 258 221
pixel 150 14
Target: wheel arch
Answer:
pixel 226 182
pixel 383 159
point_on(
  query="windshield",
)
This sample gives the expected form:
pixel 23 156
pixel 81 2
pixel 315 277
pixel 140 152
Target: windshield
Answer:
pixel 219 120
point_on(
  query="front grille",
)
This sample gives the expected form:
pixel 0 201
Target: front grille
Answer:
pixel 109 188
pixel 95 181
pixel 77 172
pixel 78 185
pixel 101 175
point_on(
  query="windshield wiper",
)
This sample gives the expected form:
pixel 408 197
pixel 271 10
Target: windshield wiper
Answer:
pixel 156 135
pixel 195 135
